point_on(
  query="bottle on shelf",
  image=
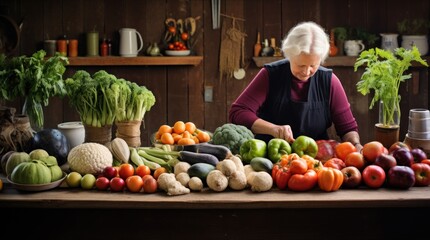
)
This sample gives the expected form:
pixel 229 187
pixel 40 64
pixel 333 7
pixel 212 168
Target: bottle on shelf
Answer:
pixel 267 50
pixel 257 46
pixel 104 48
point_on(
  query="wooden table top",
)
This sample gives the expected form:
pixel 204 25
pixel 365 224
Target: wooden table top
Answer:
pixel 64 197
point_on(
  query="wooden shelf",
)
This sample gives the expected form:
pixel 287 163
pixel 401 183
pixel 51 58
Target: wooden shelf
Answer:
pixel 340 61
pixel 135 61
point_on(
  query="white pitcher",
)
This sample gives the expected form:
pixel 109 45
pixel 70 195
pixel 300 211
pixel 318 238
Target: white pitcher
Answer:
pixel 353 47
pixel 389 41
pixel 128 46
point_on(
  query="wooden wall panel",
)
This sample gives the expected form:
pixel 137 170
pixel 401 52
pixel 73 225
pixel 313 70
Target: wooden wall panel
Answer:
pixel 179 90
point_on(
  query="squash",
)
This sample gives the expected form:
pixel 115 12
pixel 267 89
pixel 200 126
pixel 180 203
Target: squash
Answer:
pixel 330 179
pixel 32 172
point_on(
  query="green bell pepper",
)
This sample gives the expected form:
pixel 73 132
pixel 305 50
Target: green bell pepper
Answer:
pixel 276 148
pixel 252 148
pixel 305 145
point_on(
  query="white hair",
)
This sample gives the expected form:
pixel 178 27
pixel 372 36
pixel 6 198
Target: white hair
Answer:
pixel 306 37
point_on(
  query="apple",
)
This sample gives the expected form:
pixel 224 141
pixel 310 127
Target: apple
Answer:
pixel 373 176
pixel 117 184
pixel 398 145
pixel 73 179
pixel 402 177
pixel 418 154
pixel 422 174
pixel 102 183
pixel 325 150
pixel 351 177
pixel 88 181
pixel 110 172
pixel 372 150
pixel 386 161
pixel 403 157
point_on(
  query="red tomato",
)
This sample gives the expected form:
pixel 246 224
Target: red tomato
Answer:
pixel 143 170
pixel 134 183
pixel 298 166
pixel 126 170
pixel 303 182
pixel 184 36
pixel 282 178
pixel 171 46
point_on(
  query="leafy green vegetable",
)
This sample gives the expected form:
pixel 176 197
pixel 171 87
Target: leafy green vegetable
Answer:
pixel 383 74
pixel 32 76
pixel 102 98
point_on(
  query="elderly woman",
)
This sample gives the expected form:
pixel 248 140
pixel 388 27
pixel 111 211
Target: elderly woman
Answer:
pixel 296 95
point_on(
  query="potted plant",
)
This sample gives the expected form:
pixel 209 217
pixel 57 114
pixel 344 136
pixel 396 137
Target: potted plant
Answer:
pixel 414 32
pixel 35 78
pixel 384 72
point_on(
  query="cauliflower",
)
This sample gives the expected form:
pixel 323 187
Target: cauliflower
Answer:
pixel 232 136
pixel 89 158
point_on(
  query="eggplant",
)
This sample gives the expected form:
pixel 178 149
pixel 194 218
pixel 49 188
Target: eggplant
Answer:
pixel 51 140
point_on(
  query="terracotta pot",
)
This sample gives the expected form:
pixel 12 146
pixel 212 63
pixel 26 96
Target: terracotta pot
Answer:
pixel 386 135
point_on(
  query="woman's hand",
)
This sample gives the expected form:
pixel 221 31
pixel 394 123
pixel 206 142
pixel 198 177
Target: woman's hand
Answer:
pixel 284 132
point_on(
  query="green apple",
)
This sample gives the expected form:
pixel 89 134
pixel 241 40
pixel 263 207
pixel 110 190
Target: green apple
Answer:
pixel 73 179
pixel 88 181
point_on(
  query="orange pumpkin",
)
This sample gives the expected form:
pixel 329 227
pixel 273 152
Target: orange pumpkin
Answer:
pixel 330 179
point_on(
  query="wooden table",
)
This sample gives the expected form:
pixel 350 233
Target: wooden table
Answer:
pixel 345 214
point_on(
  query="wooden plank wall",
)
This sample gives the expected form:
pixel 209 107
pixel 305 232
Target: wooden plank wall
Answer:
pixel 179 90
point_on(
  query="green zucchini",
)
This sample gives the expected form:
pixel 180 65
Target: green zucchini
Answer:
pixel 200 170
pixel 261 164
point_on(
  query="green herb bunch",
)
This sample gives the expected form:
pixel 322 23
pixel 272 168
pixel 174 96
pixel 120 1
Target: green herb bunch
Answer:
pixel 384 72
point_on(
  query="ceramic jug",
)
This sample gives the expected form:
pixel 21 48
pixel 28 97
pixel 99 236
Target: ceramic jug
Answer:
pixel 389 41
pixel 353 47
pixel 128 45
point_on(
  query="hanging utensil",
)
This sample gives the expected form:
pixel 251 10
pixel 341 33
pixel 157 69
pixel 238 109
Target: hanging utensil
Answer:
pixel 216 10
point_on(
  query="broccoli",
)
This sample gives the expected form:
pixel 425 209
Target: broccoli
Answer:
pixel 232 136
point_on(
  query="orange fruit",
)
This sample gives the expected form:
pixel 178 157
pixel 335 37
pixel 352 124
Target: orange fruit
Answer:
pixel 355 159
pixel 186 141
pixel 179 127
pixel 343 149
pixel 164 129
pixel 203 136
pixel 186 134
pixel 190 127
pixel 167 138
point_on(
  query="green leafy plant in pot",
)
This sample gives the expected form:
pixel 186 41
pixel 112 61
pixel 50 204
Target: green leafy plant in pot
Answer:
pixel 384 72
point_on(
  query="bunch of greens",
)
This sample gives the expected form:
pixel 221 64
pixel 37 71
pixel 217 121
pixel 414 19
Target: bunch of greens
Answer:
pixel 102 98
pixel 384 72
pixel 33 76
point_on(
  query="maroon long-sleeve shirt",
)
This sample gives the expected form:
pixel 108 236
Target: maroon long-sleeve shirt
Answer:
pixel 244 110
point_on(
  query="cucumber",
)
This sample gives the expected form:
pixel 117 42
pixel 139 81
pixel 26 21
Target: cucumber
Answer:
pixel 261 164
pixel 200 170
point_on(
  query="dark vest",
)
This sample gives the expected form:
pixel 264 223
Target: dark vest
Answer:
pixel 310 118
